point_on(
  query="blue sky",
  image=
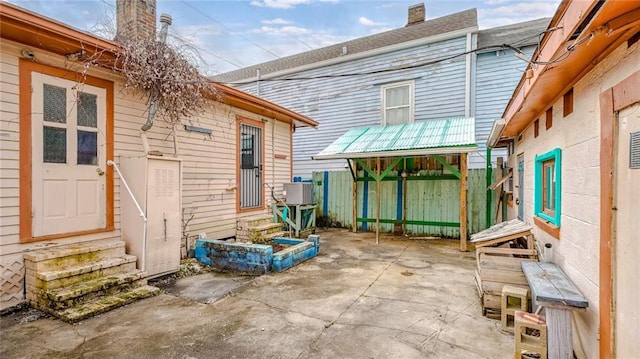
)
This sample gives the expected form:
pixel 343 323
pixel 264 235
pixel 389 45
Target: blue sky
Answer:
pixel 234 33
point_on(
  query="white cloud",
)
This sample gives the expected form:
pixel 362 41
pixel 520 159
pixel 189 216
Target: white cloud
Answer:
pixel 514 12
pixel 331 1
pixel 522 9
pixel 285 30
pixel 277 21
pixel 279 4
pixel 368 22
pixel 496 2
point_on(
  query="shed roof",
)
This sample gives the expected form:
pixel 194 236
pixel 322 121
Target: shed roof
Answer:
pixel 454 135
pixel 466 19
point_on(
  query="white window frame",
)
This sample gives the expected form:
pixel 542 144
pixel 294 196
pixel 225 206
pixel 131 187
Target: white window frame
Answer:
pixel 383 97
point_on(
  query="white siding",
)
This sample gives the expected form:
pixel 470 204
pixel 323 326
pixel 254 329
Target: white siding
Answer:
pixel 209 165
pixel 578 135
pixel 498 73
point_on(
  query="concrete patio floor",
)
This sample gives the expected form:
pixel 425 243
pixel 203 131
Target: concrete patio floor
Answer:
pixel 399 299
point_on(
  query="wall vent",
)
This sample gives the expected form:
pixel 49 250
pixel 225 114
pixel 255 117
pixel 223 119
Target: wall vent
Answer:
pixel 634 150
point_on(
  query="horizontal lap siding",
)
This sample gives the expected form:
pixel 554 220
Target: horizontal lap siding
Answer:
pixel 498 74
pixel 342 103
pixel 9 148
pixel 209 162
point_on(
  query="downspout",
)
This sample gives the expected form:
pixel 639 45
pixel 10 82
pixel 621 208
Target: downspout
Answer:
pixel 489 192
pixel 468 69
pixel 165 20
pixel 258 82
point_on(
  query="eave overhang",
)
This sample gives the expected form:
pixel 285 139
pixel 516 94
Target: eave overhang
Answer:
pixel 614 23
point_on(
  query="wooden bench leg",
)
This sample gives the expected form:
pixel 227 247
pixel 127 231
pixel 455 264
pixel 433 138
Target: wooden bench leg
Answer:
pixel 560 344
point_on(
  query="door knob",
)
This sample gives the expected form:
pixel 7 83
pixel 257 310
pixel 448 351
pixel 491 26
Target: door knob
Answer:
pixel 100 171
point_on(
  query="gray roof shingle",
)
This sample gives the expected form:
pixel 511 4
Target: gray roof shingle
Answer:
pixel 521 34
pixel 442 25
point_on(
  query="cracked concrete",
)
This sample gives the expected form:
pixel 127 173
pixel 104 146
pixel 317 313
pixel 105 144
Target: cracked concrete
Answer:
pixel 399 299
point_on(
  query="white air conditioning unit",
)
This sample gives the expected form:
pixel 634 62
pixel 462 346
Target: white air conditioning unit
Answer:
pixel 298 193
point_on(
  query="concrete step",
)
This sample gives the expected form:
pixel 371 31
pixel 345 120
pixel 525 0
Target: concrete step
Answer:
pixel 86 271
pixel 264 231
pixel 106 304
pixel 80 293
pixel 255 221
pixel 269 237
pixel 57 258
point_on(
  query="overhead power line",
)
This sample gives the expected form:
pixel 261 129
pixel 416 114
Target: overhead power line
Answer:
pixel 231 31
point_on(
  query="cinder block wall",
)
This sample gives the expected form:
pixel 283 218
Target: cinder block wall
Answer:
pixel 578 135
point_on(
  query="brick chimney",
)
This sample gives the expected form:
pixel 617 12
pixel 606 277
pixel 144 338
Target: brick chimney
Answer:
pixel 135 19
pixel 416 14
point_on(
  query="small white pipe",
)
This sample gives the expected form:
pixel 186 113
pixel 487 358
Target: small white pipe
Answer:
pixel 140 211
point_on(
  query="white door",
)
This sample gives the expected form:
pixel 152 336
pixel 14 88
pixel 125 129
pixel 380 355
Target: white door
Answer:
pixel 627 233
pixel 68 156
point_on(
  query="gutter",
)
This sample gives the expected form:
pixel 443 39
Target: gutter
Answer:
pixel 364 54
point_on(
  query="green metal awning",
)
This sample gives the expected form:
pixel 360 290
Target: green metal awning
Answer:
pixel 448 136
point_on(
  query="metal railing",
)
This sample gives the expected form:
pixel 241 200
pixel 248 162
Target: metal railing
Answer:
pixel 140 211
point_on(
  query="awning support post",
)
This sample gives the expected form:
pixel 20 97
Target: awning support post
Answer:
pixel 378 199
pixel 463 202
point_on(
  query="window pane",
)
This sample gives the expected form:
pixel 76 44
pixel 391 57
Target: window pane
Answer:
pixel 397 116
pixel 87 148
pixel 397 96
pixel 247 151
pixel 54 149
pixel 548 178
pixel 54 106
pixel 87 109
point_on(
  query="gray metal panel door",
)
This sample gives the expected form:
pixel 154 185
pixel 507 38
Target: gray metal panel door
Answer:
pixel 520 199
pixel 250 166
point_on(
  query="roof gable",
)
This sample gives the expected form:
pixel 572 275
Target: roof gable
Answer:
pixel 451 23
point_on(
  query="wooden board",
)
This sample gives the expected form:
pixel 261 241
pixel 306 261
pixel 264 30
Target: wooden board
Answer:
pixel 550 285
pixel 492 261
pixel 513 229
pixel 503 276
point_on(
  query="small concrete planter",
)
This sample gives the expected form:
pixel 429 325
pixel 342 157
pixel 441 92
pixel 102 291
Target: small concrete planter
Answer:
pixel 256 258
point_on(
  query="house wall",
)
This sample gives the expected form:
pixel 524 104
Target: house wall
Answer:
pixel 497 75
pixel 209 164
pixel 578 135
pixel 342 103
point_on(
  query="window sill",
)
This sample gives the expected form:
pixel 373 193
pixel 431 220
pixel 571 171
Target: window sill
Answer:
pixel 547 227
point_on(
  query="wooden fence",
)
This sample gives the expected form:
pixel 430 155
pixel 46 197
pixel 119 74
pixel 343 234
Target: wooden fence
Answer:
pixel 432 203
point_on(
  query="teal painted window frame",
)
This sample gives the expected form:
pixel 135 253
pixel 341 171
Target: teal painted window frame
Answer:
pixel 556 155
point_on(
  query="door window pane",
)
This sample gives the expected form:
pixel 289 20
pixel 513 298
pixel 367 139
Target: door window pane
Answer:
pixel 54 103
pixel 247 151
pixel 87 148
pixel 54 149
pixel 87 109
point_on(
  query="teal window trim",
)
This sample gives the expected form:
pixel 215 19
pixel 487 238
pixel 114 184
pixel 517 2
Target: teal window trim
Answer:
pixel 556 155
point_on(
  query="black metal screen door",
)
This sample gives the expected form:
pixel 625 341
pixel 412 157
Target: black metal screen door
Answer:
pixel 250 166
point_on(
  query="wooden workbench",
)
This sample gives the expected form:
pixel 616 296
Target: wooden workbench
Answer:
pixel 552 289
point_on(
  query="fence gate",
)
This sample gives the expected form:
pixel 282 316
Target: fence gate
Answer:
pixel 250 167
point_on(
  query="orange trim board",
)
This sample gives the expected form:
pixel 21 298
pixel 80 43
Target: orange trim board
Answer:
pixel 612 100
pixel 26 68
